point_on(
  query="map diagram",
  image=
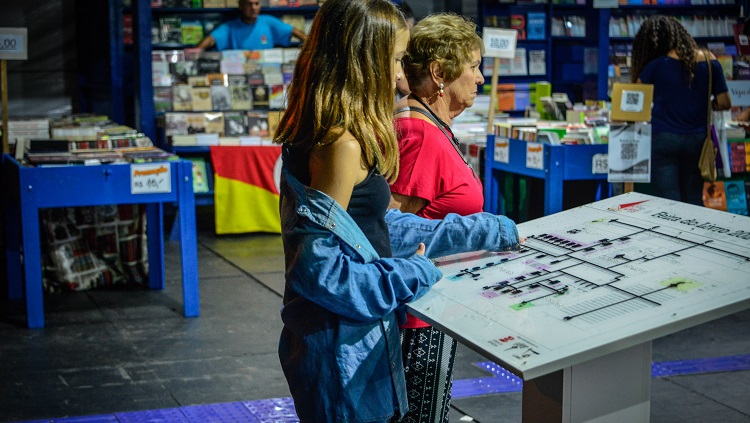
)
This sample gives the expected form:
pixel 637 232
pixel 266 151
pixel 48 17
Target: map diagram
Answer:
pixel 600 277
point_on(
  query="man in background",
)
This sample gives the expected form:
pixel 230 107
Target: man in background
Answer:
pixel 251 31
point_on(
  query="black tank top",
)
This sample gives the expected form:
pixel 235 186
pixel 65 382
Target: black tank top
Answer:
pixel 367 207
pixel 369 202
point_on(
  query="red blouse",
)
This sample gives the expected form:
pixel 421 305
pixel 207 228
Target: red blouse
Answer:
pixel 433 170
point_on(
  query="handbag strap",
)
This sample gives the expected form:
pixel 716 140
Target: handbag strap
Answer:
pixel 710 80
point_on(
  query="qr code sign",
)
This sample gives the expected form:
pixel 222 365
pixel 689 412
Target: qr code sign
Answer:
pixel 632 98
pixel 629 151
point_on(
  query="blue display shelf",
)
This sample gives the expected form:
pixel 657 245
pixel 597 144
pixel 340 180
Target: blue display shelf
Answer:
pixel 559 163
pixel 27 190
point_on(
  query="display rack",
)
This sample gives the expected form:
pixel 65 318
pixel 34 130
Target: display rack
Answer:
pixel 29 189
pixel 554 164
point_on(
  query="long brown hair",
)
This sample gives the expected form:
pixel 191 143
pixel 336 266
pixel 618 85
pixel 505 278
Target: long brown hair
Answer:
pixel 658 36
pixel 343 81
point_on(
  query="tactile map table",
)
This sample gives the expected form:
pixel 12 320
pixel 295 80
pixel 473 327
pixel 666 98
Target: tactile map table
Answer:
pixel 575 310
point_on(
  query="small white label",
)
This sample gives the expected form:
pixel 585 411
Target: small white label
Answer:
pixel 502 150
pixel 150 178
pixel 13 45
pixel 534 156
pixel 599 163
pixel 499 42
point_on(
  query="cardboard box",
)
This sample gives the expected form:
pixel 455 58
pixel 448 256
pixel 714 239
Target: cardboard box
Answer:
pixel 632 102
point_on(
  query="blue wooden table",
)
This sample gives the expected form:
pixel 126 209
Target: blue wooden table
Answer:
pixel 26 190
pixel 552 163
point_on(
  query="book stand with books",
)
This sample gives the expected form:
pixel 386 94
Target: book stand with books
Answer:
pixel 29 189
pixel 552 163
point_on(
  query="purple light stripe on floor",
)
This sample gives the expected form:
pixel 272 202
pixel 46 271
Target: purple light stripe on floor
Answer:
pixel 281 410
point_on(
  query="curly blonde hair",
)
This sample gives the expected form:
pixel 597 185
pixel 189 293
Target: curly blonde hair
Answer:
pixel 446 38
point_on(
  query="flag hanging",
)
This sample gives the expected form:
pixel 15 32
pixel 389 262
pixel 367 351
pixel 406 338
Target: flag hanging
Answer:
pixel 246 188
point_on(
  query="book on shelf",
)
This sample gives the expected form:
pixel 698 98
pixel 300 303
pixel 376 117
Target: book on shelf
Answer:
pixel 183 140
pixel 196 123
pixel 536 24
pixel 229 140
pixel 537 62
pixel 170 30
pixel 714 196
pixel 200 174
pixel 175 124
pixel 233 80
pixel 257 124
pixel 198 81
pixel 206 66
pixel 260 96
pixel 207 139
pixel 214 123
pixel 518 22
pixel 192 31
pixel 276 99
pixel 736 198
pixel 201 98
pixel 208 4
pixel 241 99
pixel 221 97
pixel 182 98
pixel 235 124
pixel 181 71
pixel 162 99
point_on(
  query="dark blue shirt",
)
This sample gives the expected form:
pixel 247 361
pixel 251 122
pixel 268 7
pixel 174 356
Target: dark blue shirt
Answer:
pixel 681 107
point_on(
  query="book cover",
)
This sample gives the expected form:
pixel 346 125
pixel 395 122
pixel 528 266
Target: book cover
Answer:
pixel 206 66
pixel 255 78
pixel 536 25
pixel 217 79
pixel 198 81
pixel 257 124
pixel 200 174
pixel 214 123
pixel 274 116
pixel 736 198
pixel 192 31
pixel 201 98
pixel 221 97
pixel 182 98
pixel 276 97
pixel 162 99
pixel 170 30
pixel 260 97
pixel 175 124
pixel 235 124
pixel 518 22
pixel 233 80
pixel 714 196
pixel 241 99
pixel 741 39
pixel 196 123
pixel 252 66
pixel 183 70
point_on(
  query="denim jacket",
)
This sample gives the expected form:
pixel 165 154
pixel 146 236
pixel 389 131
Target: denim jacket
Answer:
pixel 339 348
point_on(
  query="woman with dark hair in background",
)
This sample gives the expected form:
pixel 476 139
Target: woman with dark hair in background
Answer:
pixel 665 55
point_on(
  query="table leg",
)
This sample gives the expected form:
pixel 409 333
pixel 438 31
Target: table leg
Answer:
pixel 32 254
pixel 13 248
pixel 155 235
pixel 188 242
pixel 614 388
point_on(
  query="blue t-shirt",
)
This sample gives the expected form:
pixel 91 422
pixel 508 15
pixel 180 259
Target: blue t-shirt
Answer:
pixel 266 32
pixel 681 107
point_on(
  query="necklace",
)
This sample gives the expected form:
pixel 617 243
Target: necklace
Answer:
pixel 442 123
pixel 443 128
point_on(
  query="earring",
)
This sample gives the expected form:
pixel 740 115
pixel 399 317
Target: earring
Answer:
pixel 398 76
pixel 441 92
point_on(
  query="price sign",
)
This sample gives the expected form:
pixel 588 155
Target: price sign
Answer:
pixel 599 163
pixel 499 42
pixel 534 156
pixel 739 92
pixel 13 45
pixel 150 178
pixel 502 150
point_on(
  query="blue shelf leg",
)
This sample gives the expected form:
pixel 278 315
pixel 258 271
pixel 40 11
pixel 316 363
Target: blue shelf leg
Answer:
pixel 188 240
pixel 12 233
pixel 32 255
pixel 155 235
pixel 553 183
pixel 490 183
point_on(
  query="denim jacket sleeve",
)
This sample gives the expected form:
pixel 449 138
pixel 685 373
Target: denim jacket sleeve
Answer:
pixel 451 235
pixel 330 272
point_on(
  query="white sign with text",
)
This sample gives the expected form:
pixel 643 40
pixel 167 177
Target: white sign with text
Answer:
pixel 13 44
pixel 150 178
pixel 499 42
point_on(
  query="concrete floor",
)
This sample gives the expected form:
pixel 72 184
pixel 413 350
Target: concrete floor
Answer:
pixel 104 352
